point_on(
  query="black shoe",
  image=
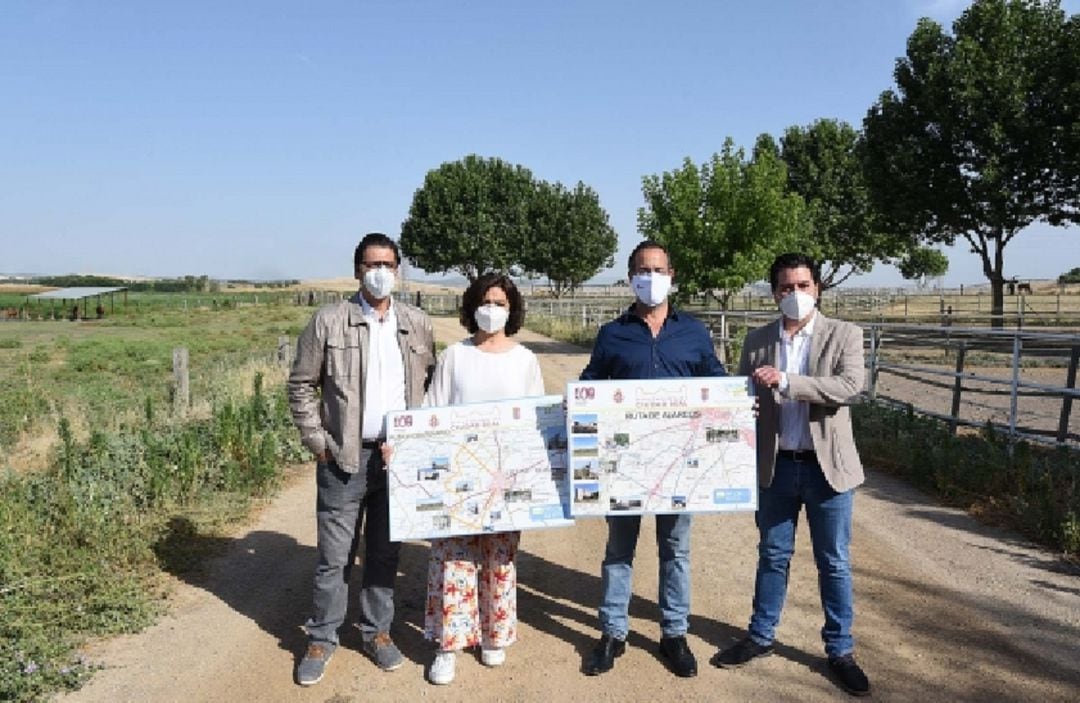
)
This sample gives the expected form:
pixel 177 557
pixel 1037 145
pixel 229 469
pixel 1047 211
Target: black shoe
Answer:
pixel 678 655
pixel 740 653
pixel 849 675
pixel 603 655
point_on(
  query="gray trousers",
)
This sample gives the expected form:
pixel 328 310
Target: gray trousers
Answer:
pixel 344 501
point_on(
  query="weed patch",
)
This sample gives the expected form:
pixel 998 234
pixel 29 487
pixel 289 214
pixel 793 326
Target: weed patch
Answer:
pixel 1033 489
pixel 82 543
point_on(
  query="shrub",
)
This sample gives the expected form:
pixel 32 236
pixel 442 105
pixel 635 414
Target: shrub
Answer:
pixel 1035 489
pixel 80 543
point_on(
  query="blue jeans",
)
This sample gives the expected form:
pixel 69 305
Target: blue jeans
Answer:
pixel 673 545
pixel 795 484
pixel 344 500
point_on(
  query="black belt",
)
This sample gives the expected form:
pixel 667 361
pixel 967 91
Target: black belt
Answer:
pixel 371 443
pixel 799 455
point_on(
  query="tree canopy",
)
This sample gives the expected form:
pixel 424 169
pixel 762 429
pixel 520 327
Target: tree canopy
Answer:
pixel 478 215
pixel 570 238
pixel 823 166
pixel 723 222
pixel 1070 276
pixel 470 216
pixel 923 262
pixel 980 137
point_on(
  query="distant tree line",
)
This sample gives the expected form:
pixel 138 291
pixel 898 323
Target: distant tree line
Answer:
pixel 979 138
pixel 186 284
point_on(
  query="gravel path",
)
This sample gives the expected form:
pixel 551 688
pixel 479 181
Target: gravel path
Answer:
pixel 947 609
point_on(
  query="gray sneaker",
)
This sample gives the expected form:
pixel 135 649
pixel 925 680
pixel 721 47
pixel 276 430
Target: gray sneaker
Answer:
pixel 384 652
pixel 311 668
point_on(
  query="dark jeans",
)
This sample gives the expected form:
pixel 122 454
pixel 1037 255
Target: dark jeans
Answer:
pixel 344 500
pixel 797 484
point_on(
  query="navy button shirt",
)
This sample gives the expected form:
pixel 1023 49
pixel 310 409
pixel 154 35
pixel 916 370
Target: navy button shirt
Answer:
pixel 625 348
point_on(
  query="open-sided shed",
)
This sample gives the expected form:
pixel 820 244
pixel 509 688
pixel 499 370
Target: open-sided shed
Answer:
pixel 81 294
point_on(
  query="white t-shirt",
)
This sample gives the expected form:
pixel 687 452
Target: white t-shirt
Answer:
pixel 465 374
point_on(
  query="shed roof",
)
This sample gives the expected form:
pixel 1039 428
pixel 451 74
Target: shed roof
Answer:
pixel 77 293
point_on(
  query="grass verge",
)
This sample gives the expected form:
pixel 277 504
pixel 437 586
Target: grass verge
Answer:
pixel 1033 489
pixel 82 542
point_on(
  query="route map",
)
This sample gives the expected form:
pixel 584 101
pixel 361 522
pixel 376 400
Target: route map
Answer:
pixel 661 446
pixel 476 468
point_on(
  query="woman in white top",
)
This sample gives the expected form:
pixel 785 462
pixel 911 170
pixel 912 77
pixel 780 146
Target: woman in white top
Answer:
pixel 472 583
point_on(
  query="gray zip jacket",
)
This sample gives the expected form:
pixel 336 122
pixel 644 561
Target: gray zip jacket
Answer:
pixel 331 357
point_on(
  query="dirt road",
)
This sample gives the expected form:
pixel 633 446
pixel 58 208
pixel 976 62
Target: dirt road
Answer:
pixel 946 610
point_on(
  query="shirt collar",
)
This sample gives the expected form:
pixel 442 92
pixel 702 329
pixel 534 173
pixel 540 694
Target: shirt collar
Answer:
pixel 629 315
pixel 806 331
pixel 371 316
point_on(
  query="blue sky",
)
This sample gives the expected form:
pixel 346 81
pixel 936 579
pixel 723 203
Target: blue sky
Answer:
pixel 261 139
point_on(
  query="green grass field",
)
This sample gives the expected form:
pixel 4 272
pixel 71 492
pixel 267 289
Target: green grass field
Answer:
pixel 96 472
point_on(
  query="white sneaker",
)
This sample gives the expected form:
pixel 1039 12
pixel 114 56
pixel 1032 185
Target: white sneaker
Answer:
pixel 492 657
pixel 442 669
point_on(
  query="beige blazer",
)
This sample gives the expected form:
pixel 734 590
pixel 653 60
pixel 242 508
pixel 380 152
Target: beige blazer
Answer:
pixel 835 382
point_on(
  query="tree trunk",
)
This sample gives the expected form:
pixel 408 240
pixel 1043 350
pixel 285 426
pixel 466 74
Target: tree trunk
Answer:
pixel 997 283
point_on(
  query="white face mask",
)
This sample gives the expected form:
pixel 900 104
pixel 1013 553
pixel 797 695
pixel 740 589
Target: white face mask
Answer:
pixel 379 282
pixel 797 305
pixel 491 318
pixel 651 288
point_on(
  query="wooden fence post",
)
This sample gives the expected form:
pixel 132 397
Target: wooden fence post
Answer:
pixel 958 386
pixel 874 342
pixel 181 381
pixel 723 337
pixel 284 352
pixel 1015 390
pixel 1066 400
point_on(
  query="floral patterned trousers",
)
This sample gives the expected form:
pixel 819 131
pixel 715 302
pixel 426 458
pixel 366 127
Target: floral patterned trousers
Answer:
pixel 472 591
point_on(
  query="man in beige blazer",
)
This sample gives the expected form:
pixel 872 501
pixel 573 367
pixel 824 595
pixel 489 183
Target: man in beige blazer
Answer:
pixel 806 369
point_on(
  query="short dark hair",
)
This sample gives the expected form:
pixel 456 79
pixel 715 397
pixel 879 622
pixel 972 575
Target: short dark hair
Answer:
pixel 375 239
pixel 474 296
pixel 793 261
pixel 647 244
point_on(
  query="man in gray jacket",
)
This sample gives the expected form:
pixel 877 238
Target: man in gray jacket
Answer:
pixel 356 361
pixel 807 369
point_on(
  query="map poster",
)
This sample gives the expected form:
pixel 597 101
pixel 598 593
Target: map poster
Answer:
pixel 661 446
pixel 476 468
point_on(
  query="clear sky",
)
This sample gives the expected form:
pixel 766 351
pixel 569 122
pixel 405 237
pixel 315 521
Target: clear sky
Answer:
pixel 260 139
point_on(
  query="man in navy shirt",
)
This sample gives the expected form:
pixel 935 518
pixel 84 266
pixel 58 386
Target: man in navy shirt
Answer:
pixel 649 340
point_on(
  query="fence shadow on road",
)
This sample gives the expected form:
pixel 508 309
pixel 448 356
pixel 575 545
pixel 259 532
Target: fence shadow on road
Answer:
pixel 917 504
pixel 554 347
pixel 267 577
pixel 965 646
pixel 549 594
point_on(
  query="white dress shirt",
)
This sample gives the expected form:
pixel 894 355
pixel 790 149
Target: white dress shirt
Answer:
pixel 384 386
pixel 795 414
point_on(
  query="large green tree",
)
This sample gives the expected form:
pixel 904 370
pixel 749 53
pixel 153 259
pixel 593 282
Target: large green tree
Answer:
pixel 724 221
pixel 921 263
pixel 470 216
pixel 570 240
pixel 981 136
pixel 825 169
